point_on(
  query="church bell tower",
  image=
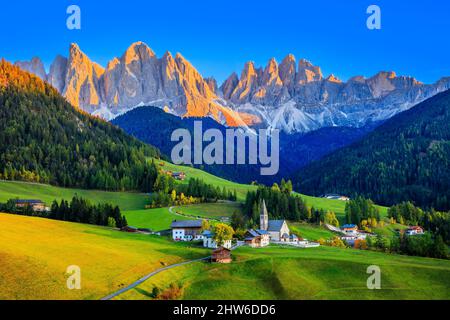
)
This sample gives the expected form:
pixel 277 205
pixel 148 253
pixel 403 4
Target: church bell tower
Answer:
pixel 263 217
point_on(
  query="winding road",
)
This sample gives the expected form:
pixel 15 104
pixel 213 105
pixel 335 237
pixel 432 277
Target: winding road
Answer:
pixel 141 280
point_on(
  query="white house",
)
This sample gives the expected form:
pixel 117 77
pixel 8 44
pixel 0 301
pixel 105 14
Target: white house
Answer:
pixel 412 231
pixel 186 230
pixel 350 229
pixel 208 241
pixel 257 238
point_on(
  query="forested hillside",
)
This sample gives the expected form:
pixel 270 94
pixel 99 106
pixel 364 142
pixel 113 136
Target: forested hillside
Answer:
pixel 44 139
pixel 407 158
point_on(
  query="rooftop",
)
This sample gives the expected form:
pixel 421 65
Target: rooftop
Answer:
pixel 28 201
pixel 275 225
pixel 186 224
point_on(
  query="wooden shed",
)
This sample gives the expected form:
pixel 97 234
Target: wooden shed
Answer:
pixel 221 255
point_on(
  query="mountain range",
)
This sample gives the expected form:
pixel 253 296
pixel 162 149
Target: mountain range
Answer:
pixel 294 97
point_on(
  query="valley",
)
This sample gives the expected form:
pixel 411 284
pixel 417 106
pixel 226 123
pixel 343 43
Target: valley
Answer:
pixel 119 189
pixel 33 267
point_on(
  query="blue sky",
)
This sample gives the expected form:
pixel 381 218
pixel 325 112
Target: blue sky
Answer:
pixel 218 37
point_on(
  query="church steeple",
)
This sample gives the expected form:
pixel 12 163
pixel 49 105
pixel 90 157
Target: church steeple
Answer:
pixel 263 217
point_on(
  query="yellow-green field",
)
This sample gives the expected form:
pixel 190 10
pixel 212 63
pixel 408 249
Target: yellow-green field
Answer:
pixel 47 193
pixel 315 273
pixel 35 253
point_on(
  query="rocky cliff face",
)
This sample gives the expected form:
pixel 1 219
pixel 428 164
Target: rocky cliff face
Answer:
pixel 291 96
pixel 138 77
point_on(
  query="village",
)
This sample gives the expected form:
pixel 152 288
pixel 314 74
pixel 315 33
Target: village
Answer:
pixel 270 232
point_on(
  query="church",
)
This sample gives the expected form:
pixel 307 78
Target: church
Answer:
pixel 278 229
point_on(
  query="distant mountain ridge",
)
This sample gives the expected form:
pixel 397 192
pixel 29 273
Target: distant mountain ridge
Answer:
pixel 291 96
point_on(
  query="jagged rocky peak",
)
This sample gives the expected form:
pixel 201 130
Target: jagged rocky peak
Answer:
pixel 247 83
pixel 333 78
pixel 35 66
pixel 270 75
pixel 307 72
pixel 82 79
pixel 138 51
pixel 57 75
pixel 212 84
pixel 229 84
pixel 287 70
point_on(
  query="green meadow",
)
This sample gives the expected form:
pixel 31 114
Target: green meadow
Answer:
pixel 215 210
pixel 310 231
pixel 315 273
pixel 47 193
pixel 155 219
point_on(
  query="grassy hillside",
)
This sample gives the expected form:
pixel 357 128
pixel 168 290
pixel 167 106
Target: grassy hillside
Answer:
pixel 241 189
pixel 154 219
pixel 336 206
pixel 215 210
pixel 309 231
pixel 35 253
pixel 316 273
pixel 47 193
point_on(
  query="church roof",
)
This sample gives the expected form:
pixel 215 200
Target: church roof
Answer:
pixel 275 225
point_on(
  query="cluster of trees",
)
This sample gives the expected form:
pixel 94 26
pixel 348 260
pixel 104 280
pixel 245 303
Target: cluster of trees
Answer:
pixel 221 231
pixel 198 188
pixel 78 210
pixel 280 201
pixel 433 221
pixel 167 192
pixel 45 139
pixel 361 209
pixel 426 245
pixel 333 242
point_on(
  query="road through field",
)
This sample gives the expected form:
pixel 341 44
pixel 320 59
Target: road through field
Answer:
pixel 141 280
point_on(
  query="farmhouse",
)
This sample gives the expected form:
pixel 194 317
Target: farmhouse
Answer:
pixel 129 229
pixel 179 176
pixel 278 229
pixel 257 238
pixel 350 229
pixel 208 241
pixel 221 255
pixel 415 230
pixel 334 196
pixel 36 205
pixel 186 230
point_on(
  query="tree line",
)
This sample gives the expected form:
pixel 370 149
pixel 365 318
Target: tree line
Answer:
pixel 431 220
pixel 168 192
pixel 77 210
